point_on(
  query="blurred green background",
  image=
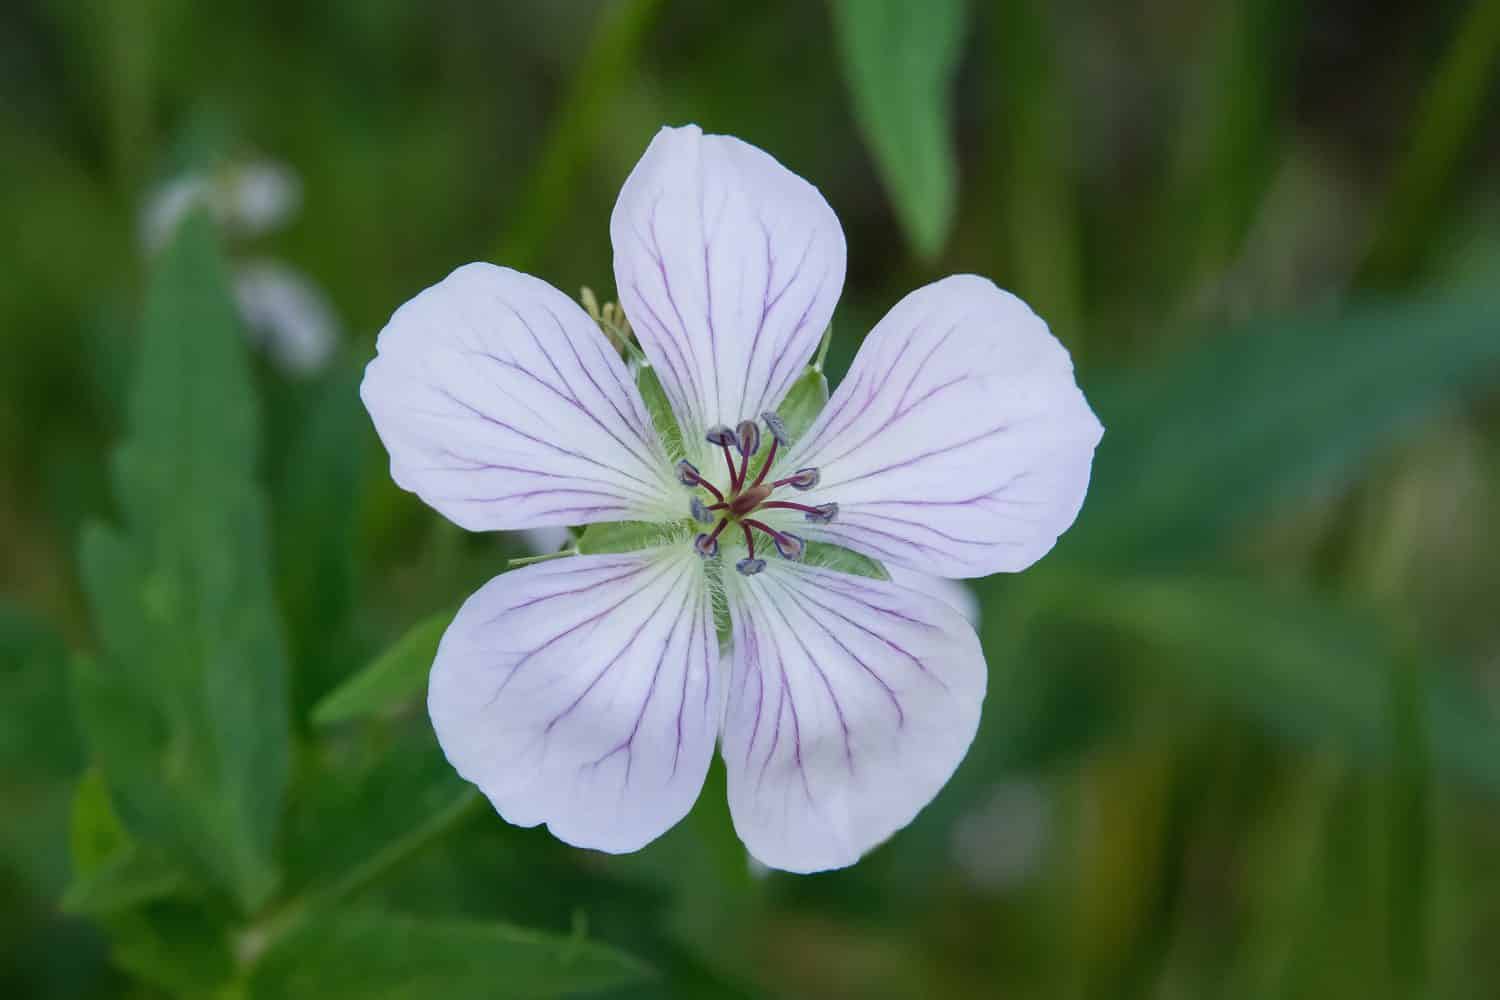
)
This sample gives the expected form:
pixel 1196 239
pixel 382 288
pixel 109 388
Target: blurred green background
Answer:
pixel 1243 730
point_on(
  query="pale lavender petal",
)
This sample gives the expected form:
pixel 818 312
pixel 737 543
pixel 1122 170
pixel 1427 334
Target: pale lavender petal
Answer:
pixel 958 444
pixel 584 693
pixel 955 593
pixel 851 701
pixel 503 406
pixel 728 266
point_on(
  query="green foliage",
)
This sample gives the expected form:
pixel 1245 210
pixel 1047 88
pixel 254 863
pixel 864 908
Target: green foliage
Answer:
pixel 392 680
pixel 899 60
pixel 1241 723
pixel 39 750
pixel 178 946
pixel 370 954
pixel 185 709
pixel 1199 447
pixel 316 501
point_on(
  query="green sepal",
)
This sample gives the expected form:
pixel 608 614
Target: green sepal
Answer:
pixel 660 410
pixel 804 401
pixel 628 536
pixel 842 560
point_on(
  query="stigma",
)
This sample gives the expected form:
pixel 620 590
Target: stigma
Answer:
pixel 738 504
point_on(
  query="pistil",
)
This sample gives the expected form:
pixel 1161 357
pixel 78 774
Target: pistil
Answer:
pixel 743 498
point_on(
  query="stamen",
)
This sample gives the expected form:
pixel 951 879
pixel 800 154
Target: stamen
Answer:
pixel 770 461
pixel 707 543
pixel 777 427
pixel 724 437
pixel 790 546
pixel 699 511
pixel 750 567
pixel 688 475
pixel 823 513
pixel 802 479
pixel 747 438
pixel 749 540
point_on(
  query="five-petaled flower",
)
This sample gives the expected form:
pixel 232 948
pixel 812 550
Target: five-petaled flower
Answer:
pixel 588 692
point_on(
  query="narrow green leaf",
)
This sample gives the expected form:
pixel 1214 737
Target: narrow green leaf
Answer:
pixel 1227 430
pixel 836 557
pixel 393 679
pixel 1300 663
pixel 364 809
pixel 185 709
pixel 627 536
pixel 899 61
pixel 372 955
pixel 804 401
pixel 1450 117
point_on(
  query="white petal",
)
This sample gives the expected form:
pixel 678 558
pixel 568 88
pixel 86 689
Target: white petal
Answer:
pixel 259 196
pixel 582 693
pixel 167 206
pixel 959 443
pixel 850 703
pixel 953 593
pixel 503 406
pixel 287 314
pixel 728 266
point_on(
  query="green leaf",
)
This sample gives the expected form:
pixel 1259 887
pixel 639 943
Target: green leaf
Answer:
pixel 180 947
pixel 362 809
pixel 126 880
pixel 316 497
pixel 95 833
pixel 1231 428
pixel 393 679
pixel 804 401
pixel 836 557
pixel 110 872
pixel 899 61
pixel 627 536
pixel 39 751
pixel 372 955
pixel 185 709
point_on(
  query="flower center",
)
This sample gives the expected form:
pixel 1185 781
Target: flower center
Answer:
pixel 743 498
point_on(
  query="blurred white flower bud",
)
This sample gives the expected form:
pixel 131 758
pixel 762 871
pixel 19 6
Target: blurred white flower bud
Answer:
pixel 286 315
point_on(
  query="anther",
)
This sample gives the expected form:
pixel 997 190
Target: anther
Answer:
pixel 699 511
pixel 747 437
pixel 777 427
pixel 750 567
pixel 687 473
pixel 707 545
pixel 721 436
pixel 802 479
pixel 789 545
pixel 823 513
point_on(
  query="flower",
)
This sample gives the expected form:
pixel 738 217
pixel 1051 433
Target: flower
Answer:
pixel 588 692
pixel 285 314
